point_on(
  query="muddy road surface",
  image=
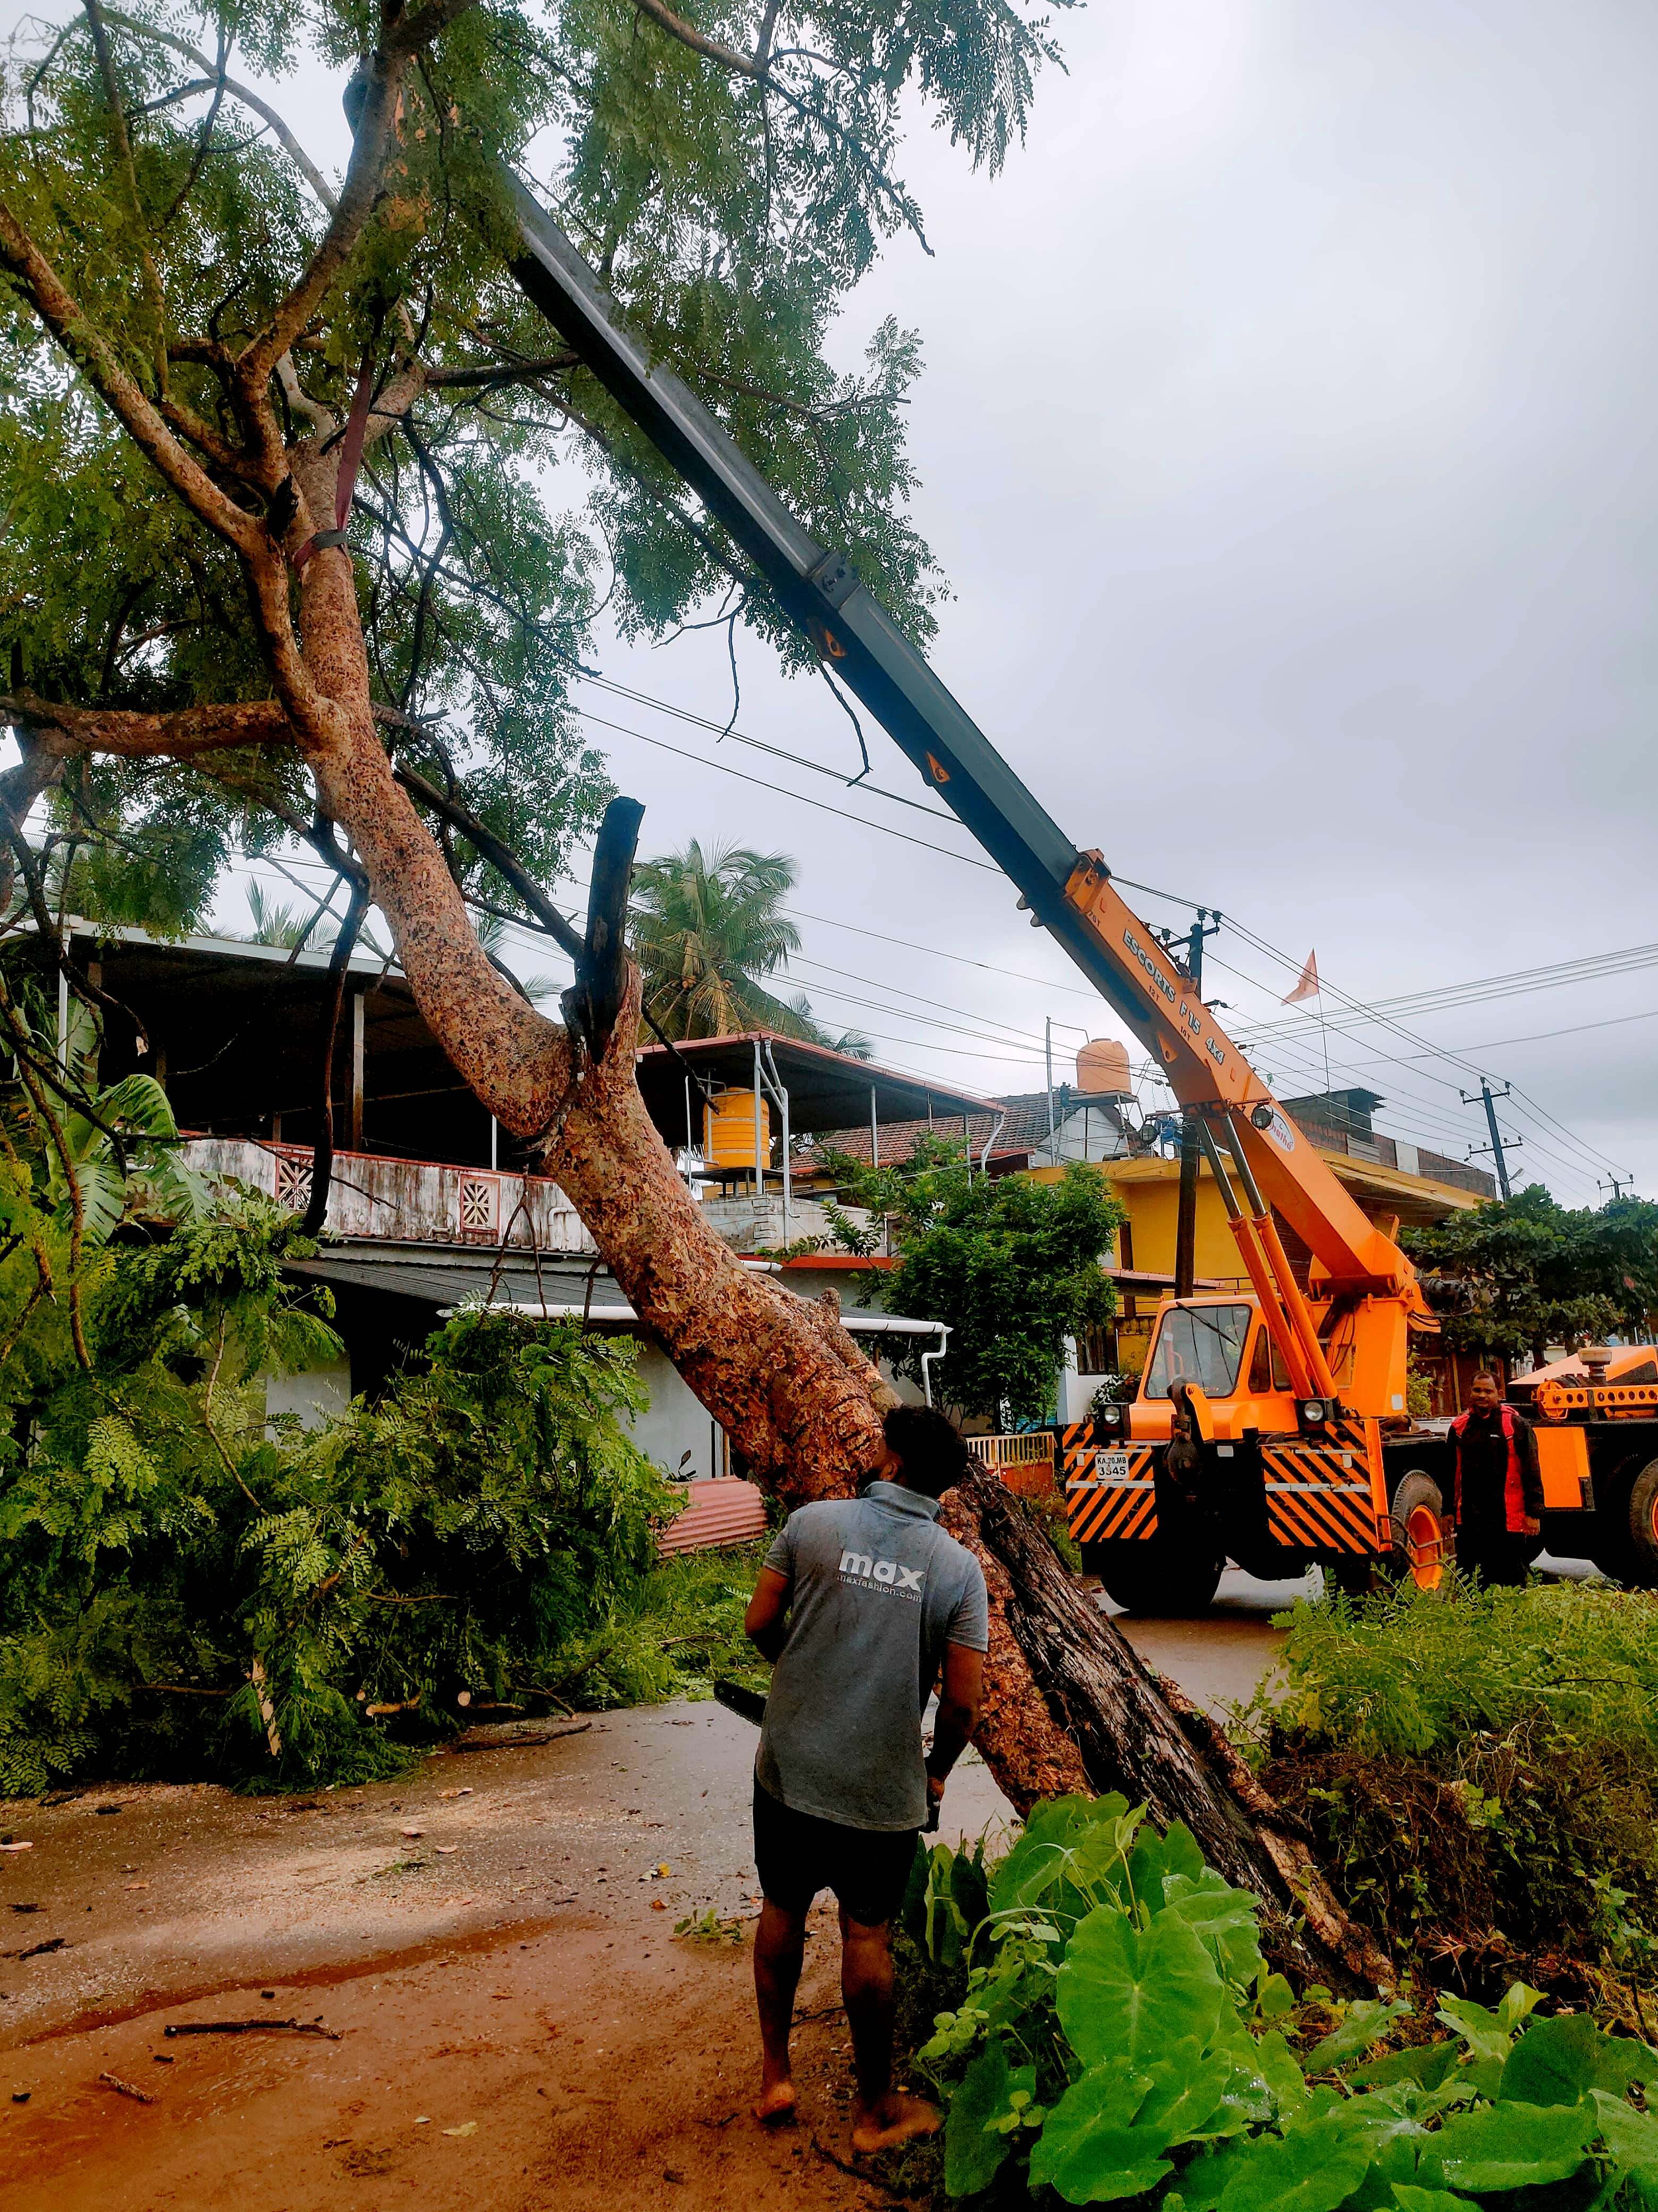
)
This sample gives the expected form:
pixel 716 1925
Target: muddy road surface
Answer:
pixel 492 2011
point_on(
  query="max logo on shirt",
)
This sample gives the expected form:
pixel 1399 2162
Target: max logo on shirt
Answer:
pixel 886 1574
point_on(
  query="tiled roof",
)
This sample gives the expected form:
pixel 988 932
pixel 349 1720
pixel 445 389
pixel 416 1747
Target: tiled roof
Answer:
pixel 1023 1129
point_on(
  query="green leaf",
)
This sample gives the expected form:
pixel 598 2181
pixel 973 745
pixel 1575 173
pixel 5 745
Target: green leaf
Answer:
pixel 1428 2063
pixel 1041 1857
pixel 137 1102
pixel 1222 1918
pixel 1632 2142
pixel 1090 2151
pixel 1127 1994
pixel 1485 2033
pixel 1411 2199
pixel 1393 2160
pixel 1554 2062
pixel 1313 2169
pixel 1366 2023
pixel 1509 2146
pixel 974 2151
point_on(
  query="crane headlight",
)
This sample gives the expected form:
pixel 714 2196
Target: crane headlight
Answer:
pixel 1261 1116
pixel 1313 1414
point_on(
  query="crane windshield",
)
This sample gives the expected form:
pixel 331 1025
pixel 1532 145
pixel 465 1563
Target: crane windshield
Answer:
pixel 1199 1344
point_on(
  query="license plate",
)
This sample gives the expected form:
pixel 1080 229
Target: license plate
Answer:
pixel 1110 1466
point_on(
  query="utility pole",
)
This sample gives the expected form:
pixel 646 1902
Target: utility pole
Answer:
pixel 1186 1219
pixel 1489 1097
pixel 1616 1184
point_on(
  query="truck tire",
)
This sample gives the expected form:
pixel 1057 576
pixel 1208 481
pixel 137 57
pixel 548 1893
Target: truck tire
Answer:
pixel 1422 1549
pixel 1141 1578
pixel 1643 1527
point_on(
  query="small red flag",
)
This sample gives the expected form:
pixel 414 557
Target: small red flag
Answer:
pixel 1307 987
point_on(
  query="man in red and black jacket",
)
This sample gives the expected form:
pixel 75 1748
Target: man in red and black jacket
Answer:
pixel 1497 1492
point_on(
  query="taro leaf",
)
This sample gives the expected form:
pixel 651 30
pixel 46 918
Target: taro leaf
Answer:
pixel 912 1911
pixel 1632 2142
pixel 1486 2035
pixel 1224 1917
pixel 1623 2061
pixel 973 2149
pixel 1366 2023
pixel 1127 1994
pixel 1428 2064
pixel 1509 2146
pixel 1041 1857
pixel 1203 2183
pixel 1281 2072
pixel 1393 2161
pixel 1554 2062
pixel 1427 2200
pixel 1519 2001
pixel 1155 1857
pixel 1091 2149
pixel 968 1889
pixel 1313 2169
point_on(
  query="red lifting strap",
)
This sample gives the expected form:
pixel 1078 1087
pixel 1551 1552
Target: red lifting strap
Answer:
pixel 356 429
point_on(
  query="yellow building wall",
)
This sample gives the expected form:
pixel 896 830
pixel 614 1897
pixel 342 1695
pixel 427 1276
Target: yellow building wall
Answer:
pixel 1150 1190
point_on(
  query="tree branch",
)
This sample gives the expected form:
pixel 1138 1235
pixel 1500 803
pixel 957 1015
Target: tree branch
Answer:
pixel 501 857
pixel 375 128
pixel 296 153
pixel 488 375
pixel 711 49
pixel 124 161
pixel 137 737
pixel 92 354
pixel 601 974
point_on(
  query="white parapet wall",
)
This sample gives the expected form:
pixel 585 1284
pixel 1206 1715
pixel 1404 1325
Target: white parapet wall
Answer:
pixel 404 1201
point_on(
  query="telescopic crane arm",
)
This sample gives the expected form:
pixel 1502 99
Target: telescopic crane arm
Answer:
pixel 1069 892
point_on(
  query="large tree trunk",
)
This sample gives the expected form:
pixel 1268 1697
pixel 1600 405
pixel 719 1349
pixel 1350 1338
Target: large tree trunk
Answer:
pixel 1070 1705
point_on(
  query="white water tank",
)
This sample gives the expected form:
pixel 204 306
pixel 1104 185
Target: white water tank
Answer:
pixel 1102 1070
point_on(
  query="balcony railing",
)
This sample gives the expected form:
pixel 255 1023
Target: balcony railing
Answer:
pixel 1024 1459
pixel 404 1201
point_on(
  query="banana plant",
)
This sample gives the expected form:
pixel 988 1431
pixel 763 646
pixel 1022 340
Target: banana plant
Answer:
pixel 125 1154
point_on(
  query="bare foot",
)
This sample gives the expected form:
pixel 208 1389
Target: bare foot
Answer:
pixel 896 2119
pixel 774 2107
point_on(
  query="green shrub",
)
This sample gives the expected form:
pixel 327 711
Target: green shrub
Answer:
pixel 192 1589
pixel 1480 1769
pixel 1120 2037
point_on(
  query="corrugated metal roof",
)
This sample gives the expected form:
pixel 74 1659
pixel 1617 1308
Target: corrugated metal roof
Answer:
pixel 725 1510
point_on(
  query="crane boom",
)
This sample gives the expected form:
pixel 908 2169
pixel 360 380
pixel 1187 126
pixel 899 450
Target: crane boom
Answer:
pixel 1068 891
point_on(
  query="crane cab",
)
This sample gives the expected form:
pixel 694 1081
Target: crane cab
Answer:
pixel 1218 1457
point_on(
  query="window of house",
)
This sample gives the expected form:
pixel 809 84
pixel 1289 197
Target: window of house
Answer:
pixel 1199 1344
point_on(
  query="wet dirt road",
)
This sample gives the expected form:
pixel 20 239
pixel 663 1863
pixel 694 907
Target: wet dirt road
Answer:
pixel 510 2021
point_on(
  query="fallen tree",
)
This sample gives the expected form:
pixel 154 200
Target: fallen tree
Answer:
pixel 276 391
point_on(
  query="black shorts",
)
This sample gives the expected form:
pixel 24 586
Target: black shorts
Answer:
pixel 797 1855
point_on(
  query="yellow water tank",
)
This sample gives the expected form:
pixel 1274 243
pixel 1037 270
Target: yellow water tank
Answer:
pixel 728 1130
pixel 1102 1070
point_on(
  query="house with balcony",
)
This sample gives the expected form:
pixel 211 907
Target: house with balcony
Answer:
pixel 431 1205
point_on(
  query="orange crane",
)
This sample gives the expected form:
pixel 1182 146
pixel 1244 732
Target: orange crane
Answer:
pixel 1270 1427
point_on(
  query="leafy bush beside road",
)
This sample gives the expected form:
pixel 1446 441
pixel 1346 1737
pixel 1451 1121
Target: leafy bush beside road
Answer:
pixel 1120 2037
pixel 190 1589
pixel 1481 1768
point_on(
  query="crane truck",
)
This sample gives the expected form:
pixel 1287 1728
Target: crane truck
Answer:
pixel 1269 1427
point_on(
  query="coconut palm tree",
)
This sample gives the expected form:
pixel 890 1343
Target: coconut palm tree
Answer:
pixel 705 928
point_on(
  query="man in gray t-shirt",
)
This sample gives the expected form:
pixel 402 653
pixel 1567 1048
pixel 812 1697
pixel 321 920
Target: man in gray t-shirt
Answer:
pixel 861 1602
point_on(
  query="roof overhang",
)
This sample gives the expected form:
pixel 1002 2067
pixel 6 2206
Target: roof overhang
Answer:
pixel 827 1089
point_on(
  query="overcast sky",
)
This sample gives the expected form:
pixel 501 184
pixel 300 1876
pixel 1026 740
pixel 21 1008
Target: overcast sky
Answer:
pixel 1285 436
